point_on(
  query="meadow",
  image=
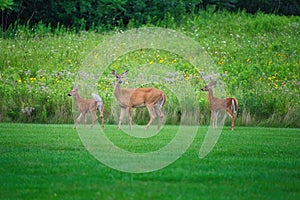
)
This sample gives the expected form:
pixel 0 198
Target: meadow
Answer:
pixel 42 157
pixel 49 162
pixel 258 58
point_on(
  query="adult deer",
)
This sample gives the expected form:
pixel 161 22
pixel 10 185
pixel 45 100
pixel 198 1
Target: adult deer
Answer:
pixel 216 104
pixel 85 105
pixel 152 98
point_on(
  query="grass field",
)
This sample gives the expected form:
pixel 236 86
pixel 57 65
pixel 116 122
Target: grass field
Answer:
pixel 50 162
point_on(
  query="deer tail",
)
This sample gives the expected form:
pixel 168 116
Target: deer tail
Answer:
pixel 99 101
pixel 163 100
pixel 234 105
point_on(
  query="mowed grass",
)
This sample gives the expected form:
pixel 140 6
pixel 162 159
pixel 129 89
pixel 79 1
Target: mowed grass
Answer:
pixel 50 162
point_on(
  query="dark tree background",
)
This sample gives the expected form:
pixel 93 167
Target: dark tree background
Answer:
pixel 85 14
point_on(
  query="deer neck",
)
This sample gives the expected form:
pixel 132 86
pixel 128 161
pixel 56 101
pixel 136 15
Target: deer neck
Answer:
pixel 117 91
pixel 77 98
pixel 122 95
pixel 210 94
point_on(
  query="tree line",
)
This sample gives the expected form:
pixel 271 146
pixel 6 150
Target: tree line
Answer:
pixel 85 14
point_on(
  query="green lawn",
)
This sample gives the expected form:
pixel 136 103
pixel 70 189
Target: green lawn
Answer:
pixel 50 162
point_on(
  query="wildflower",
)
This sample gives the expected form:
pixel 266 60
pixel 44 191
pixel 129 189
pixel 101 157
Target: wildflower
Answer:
pixel 270 62
pixel 19 80
pixel 27 110
pixel 221 62
pixel 151 62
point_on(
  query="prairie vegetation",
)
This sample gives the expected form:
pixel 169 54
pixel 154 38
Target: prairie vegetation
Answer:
pixel 258 57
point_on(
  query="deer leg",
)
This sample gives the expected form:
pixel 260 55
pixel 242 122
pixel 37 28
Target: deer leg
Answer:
pixel 212 119
pixel 102 118
pixel 216 118
pixel 121 117
pixel 229 112
pixel 130 116
pixel 152 115
pixel 84 117
pixel 101 108
pixel 94 117
pixel 161 116
pixel 77 120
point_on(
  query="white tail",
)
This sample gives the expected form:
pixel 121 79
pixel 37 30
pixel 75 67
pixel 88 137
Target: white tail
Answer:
pixel 85 105
pixel 234 105
pixel 130 98
pixel 162 101
pixel 217 104
pixel 99 101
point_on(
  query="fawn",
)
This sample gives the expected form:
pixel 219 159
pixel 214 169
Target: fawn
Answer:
pixel 85 105
pixel 216 104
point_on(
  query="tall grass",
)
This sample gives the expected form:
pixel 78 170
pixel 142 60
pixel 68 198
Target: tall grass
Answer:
pixel 50 162
pixel 258 56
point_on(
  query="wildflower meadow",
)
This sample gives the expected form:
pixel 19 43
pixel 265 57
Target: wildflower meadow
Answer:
pixel 258 58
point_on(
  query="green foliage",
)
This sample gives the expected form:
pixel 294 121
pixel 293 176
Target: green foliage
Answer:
pixel 260 65
pixel 86 14
pixel 6 4
pixel 108 14
pixel 50 162
pixel 287 7
pixel 258 57
pixel 37 70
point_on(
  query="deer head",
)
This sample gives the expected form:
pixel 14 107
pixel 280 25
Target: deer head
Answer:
pixel 74 91
pixel 209 86
pixel 119 77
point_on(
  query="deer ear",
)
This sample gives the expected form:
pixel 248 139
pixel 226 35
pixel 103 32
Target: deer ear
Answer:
pixel 213 83
pixel 126 72
pixel 114 72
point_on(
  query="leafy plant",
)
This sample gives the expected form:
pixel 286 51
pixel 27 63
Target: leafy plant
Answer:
pixel 258 58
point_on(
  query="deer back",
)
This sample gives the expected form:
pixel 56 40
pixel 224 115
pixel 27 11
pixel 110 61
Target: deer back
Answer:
pixel 87 104
pixel 142 96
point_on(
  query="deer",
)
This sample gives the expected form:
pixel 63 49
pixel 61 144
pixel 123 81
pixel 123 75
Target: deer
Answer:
pixel 85 105
pixel 128 98
pixel 216 104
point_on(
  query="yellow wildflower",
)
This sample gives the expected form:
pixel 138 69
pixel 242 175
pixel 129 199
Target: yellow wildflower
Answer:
pixel 161 60
pixel 270 62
